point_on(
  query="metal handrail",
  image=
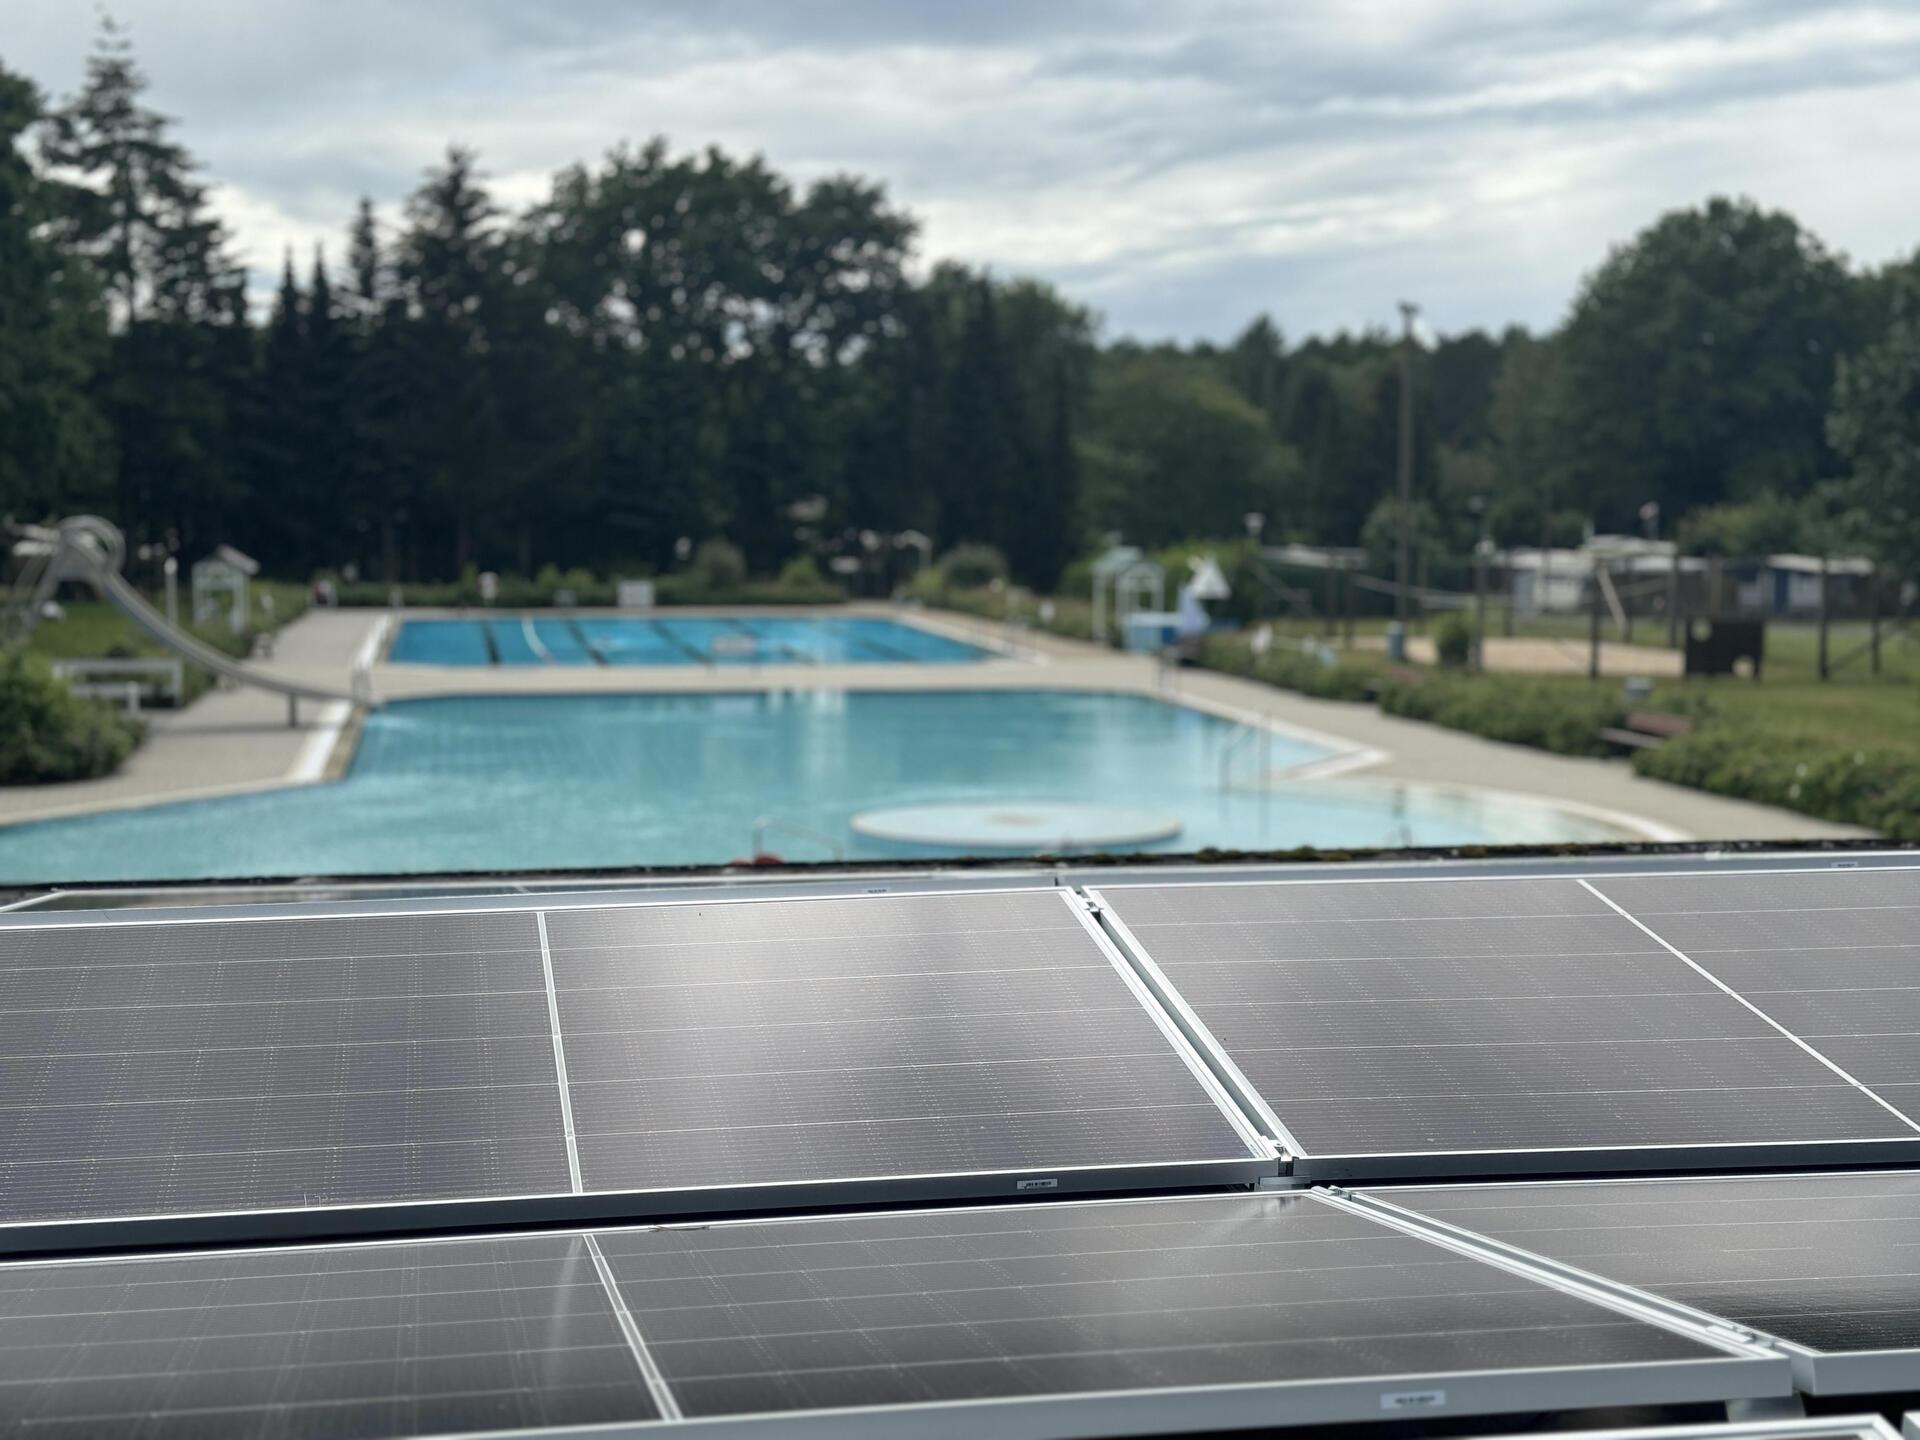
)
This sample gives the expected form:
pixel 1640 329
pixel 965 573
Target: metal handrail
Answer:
pixel 1245 735
pixel 773 822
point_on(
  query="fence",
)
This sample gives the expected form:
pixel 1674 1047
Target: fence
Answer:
pixel 1851 612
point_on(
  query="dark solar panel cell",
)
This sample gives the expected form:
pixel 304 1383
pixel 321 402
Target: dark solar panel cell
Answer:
pixel 1827 965
pixel 1275 979
pixel 1743 894
pixel 1362 900
pixel 405 939
pixel 1532 1120
pixel 1330 1073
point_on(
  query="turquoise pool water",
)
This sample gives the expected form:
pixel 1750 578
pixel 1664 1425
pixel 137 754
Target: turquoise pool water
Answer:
pixel 541 782
pixel 674 640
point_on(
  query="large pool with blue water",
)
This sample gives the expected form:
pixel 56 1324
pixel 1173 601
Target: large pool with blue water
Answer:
pixel 674 640
pixel 550 782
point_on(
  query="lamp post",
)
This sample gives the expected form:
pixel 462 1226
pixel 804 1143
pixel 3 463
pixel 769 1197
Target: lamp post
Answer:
pixel 1403 529
pixel 1482 548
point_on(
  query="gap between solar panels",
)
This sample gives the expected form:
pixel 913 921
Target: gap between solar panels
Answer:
pixel 222 1079
pixel 1447 1026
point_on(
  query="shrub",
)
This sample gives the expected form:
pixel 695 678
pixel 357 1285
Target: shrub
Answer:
pixel 1553 716
pixel 1057 615
pixel 1453 641
pixel 972 567
pixel 48 733
pixel 1311 672
pixel 800 573
pixel 718 565
pixel 1877 789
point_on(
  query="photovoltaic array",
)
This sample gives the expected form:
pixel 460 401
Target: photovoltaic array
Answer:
pixel 585 1064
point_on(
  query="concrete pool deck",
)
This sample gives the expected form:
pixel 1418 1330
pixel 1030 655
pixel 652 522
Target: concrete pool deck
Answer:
pixel 232 741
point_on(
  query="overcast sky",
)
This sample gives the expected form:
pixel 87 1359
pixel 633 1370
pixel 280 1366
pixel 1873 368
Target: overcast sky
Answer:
pixel 1177 164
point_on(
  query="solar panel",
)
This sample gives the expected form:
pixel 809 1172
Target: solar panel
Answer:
pixel 182 1069
pixel 239 1077
pixel 839 1040
pixel 446 1337
pixel 1833 956
pixel 1827 1263
pixel 1075 1318
pixel 1481 1026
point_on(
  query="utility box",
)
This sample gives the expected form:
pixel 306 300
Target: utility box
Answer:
pixel 633 594
pixel 1717 647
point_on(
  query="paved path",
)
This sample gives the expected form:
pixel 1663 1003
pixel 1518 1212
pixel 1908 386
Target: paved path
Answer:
pixel 229 739
pixel 238 739
pixel 1522 655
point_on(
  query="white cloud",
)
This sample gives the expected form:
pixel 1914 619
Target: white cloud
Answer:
pixel 1179 165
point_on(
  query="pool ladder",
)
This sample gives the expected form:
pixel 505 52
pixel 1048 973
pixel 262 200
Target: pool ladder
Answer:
pixel 767 824
pixel 1246 735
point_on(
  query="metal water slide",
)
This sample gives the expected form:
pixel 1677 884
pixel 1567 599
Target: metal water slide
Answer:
pixel 92 550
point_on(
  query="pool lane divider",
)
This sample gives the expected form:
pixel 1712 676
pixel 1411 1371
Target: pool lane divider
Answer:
pixel 885 652
pixel 493 647
pixel 674 640
pixel 594 652
pixel 534 642
pixel 754 633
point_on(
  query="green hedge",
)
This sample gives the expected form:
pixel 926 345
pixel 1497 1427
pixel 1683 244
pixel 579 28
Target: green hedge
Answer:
pixel 1309 672
pixel 1545 714
pixel 1877 789
pixel 519 593
pixel 48 733
pixel 1072 619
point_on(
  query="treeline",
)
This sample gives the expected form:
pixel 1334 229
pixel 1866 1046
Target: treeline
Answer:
pixel 675 348
pixel 666 348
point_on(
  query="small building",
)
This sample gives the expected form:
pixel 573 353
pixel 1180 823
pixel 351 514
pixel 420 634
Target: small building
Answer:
pixel 224 576
pixel 1783 585
pixel 1560 581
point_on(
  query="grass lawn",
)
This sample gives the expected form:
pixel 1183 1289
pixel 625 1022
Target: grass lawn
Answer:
pixel 1790 704
pixel 93 629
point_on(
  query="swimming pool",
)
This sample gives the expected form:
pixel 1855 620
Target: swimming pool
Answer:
pixel 552 782
pixel 674 640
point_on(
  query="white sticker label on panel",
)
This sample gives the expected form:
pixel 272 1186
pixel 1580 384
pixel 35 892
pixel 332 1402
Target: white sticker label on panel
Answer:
pixel 1413 1400
pixel 1036 1184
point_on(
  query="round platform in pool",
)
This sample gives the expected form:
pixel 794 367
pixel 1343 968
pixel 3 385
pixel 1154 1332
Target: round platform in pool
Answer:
pixel 1017 825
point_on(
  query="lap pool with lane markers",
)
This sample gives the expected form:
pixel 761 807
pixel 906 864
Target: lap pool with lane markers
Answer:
pixel 675 640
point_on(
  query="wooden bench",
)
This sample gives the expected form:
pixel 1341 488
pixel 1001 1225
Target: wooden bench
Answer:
pixel 1647 728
